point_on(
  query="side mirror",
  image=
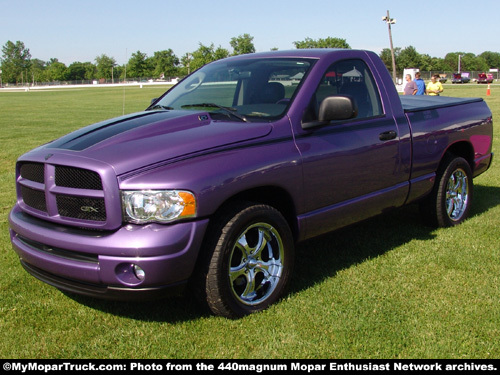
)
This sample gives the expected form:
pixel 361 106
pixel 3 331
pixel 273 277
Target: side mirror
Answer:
pixel 153 101
pixel 337 108
pixel 334 108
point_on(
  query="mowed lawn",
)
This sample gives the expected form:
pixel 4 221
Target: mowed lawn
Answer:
pixel 389 287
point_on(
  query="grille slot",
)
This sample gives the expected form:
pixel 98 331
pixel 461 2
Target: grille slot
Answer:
pixel 78 178
pixel 83 208
pixel 72 255
pixel 33 172
pixel 34 198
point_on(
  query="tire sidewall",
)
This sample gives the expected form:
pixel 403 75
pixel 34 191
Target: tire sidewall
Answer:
pixel 443 218
pixel 219 267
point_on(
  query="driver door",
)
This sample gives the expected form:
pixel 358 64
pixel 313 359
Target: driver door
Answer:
pixel 352 168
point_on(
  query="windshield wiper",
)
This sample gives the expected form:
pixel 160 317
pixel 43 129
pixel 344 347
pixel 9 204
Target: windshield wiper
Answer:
pixel 159 106
pixel 228 110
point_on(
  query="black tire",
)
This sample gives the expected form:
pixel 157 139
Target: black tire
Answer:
pixel 247 263
pixel 451 199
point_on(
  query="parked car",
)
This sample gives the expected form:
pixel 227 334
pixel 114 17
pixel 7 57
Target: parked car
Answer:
pixel 460 78
pixel 213 184
pixel 484 78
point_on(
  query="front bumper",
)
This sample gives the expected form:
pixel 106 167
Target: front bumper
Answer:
pixel 100 264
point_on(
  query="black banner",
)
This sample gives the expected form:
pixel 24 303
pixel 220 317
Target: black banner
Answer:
pixel 257 366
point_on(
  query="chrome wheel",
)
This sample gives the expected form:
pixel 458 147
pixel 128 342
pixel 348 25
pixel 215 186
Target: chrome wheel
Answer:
pixel 248 260
pixel 450 201
pixel 256 264
pixel 457 194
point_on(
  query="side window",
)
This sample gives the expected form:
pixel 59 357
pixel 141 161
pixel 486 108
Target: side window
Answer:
pixel 351 78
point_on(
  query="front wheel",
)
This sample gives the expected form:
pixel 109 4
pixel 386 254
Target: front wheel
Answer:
pixel 450 201
pixel 249 262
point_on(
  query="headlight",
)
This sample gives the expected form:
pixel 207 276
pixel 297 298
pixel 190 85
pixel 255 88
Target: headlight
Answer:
pixel 162 206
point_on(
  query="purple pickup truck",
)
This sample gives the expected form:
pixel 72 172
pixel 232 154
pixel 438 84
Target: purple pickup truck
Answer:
pixel 213 184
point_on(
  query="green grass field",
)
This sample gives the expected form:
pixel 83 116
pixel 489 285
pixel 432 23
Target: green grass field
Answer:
pixel 389 287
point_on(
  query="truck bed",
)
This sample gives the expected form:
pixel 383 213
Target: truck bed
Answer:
pixel 422 103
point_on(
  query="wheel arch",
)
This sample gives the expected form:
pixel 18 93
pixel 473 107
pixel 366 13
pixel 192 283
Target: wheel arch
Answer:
pixel 273 196
pixel 461 149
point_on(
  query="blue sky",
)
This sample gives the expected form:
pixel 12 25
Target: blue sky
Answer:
pixel 81 30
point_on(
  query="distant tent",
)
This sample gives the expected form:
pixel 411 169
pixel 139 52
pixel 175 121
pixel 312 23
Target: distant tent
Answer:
pixel 353 73
pixel 298 76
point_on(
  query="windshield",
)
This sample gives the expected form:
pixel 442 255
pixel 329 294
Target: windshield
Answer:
pixel 243 89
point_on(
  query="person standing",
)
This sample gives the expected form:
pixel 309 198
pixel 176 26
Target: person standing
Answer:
pixel 411 87
pixel 420 84
pixel 434 87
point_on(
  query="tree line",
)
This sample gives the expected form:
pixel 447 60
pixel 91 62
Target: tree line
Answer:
pixel 453 61
pixel 18 67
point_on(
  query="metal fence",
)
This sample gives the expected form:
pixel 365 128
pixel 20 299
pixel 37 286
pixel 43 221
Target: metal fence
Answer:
pixel 95 82
pixel 426 75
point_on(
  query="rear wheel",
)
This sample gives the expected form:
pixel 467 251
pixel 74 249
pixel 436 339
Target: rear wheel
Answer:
pixel 248 262
pixel 450 201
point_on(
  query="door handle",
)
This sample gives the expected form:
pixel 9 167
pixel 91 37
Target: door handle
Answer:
pixel 387 136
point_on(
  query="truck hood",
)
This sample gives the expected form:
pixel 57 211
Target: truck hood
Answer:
pixel 134 141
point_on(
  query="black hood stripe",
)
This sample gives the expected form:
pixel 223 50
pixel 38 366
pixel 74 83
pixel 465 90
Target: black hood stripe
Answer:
pixel 91 135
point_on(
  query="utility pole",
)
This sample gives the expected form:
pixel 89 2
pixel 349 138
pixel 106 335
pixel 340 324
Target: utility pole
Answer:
pixel 390 21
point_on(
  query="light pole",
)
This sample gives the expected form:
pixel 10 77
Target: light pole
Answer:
pixel 391 21
pixel 459 56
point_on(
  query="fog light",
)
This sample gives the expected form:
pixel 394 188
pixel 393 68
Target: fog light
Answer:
pixel 130 274
pixel 139 272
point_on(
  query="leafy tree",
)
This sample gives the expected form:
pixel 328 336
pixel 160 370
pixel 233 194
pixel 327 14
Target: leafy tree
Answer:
pixel 472 62
pixel 242 44
pixel 185 64
pixel 386 57
pixel 119 72
pixel 16 62
pixel 450 61
pixel 165 64
pixel 468 61
pixel 55 70
pixel 438 64
pixel 105 66
pixel 77 71
pixel 203 55
pixel 322 43
pixel 220 53
pixel 425 63
pixel 37 70
pixel 428 63
pixel 408 58
pixel 206 54
pixel 139 65
pixel 492 59
pixel 90 70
